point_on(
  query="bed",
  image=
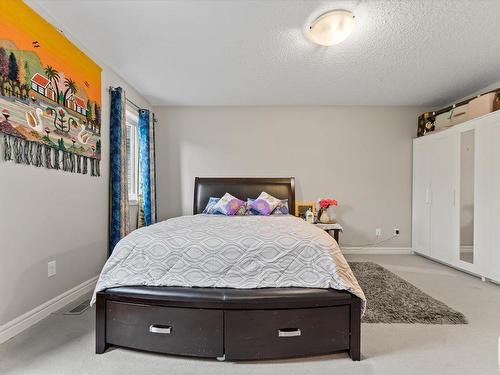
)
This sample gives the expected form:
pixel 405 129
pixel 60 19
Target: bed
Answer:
pixel 158 294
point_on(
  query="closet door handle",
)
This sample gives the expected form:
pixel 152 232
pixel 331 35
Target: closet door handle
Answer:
pixel 428 196
pixel 454 197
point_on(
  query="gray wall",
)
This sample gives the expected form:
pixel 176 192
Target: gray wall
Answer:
pixel 53 215
pixel 359 155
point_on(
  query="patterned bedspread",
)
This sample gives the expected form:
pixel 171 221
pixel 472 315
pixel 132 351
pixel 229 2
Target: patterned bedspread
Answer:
pixel 231 252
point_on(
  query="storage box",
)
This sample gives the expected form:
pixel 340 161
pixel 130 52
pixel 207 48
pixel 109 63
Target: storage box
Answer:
pixel 478 106
pixel 460 114
pixel 481 105
pixel 443 121
pixel 496 102
pixel 454 116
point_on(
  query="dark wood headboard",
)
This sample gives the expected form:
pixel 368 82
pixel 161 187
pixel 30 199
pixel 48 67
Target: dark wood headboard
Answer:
pixel 242 188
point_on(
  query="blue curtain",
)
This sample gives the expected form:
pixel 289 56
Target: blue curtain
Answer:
pixel 119 210
pixel 147 170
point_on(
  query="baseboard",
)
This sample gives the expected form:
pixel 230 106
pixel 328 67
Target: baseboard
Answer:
pixel 376 250
pixel 23 322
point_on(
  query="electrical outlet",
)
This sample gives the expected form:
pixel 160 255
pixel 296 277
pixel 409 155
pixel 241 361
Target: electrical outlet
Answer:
pixel 51 268
pixel 396 232
pixel 378 232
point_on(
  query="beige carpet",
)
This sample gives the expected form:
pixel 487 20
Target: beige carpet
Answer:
pixel 64 344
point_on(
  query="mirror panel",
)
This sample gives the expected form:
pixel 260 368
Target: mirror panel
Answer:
pixel 467 196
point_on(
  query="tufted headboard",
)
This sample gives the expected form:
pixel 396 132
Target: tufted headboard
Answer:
pixel 242 188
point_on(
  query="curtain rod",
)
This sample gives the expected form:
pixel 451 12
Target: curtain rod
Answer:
pixel 111 88
pixel 155 120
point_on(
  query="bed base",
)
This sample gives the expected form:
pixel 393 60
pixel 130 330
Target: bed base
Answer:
pixel 229 324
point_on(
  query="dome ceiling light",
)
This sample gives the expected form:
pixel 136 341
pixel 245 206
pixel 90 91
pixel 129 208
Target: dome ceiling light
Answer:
pixel 331 27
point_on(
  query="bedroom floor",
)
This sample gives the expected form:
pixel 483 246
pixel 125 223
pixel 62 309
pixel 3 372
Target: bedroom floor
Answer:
pixel 64 344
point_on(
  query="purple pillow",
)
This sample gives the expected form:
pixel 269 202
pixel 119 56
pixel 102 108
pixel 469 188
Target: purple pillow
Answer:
pixel 228 205
pixel 281 209
pixel 265 204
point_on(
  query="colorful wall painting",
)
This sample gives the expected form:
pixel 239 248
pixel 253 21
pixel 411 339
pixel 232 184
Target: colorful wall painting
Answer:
pixel 50 95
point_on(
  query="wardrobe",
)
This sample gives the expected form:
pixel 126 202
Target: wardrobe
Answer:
pixel 456 196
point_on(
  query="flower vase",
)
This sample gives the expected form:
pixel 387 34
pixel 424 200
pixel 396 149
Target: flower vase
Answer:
pixel 324 218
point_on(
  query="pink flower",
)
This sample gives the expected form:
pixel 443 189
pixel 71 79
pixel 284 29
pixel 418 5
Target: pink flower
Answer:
pixel 325 203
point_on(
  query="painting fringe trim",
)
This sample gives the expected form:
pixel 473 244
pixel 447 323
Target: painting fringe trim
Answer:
pixel 22 151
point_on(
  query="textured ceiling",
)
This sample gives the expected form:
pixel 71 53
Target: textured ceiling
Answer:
pixel 246 52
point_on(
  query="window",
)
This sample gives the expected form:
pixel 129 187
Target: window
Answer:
pixel 132 154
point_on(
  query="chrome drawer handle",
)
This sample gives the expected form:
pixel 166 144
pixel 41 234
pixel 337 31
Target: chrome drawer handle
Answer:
pixel 289 332
pixel 166 330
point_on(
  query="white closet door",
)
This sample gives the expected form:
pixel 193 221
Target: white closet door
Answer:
pixel 422 157
pixel 487 199
pixel 445 172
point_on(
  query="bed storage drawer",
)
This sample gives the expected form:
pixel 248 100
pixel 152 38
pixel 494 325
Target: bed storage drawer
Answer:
pixel 266 334
pixel 197 332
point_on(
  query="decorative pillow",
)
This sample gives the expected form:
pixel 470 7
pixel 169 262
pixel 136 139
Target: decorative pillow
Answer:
pixel 228 205
pixel 281 208
pixel 209 209
pixel 265 204
pixel 249 209
pixel 242 211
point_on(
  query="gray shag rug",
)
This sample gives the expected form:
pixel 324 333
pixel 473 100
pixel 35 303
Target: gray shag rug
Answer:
pixel 390 299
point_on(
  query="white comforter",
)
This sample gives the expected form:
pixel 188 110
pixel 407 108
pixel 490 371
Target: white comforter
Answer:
pixel 235 252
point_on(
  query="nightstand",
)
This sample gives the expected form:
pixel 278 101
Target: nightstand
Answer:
pixel 333 229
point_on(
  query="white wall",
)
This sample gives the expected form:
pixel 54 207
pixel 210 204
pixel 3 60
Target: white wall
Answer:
pixel 359 155
pixel 53 215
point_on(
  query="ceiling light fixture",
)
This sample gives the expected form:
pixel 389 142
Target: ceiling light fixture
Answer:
pixel 332 27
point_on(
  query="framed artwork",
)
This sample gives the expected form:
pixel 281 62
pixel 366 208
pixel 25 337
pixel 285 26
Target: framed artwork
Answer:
pixel 302 207
pixel 50 95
